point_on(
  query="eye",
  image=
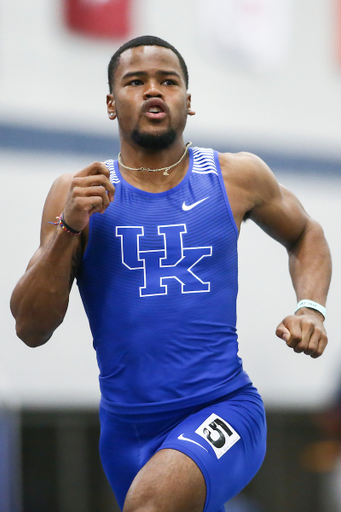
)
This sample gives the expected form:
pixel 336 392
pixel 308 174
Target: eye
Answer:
pixel 169 81
pixel 135 82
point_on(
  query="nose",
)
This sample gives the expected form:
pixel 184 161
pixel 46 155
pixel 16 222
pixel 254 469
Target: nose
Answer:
pixel 152 91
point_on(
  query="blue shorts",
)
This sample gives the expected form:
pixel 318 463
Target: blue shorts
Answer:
pixel 226 438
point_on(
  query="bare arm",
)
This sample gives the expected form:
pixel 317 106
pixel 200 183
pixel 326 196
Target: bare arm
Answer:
pixel 254 190
pixel 40 299
pixel 310 270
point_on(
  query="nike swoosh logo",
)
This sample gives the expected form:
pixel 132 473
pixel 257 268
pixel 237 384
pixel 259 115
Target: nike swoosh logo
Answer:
pixel 186 207
pixel 182 438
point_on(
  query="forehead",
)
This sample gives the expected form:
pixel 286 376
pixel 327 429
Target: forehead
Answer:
pixel 148 59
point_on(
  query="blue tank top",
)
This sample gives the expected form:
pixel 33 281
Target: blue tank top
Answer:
pixel 159 286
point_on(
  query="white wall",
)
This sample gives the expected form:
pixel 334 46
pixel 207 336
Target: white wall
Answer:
pixel 64 371
pixel 51 77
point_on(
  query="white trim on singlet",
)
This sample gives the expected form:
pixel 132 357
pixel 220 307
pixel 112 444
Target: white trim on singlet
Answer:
pixel 113 176
pixel 203 161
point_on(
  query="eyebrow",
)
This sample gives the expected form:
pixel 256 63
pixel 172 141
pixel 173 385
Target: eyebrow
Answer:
pixel 144 74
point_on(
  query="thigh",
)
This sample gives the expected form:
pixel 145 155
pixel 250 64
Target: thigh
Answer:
pixel 128 443
pixel 169 482
pixel 227 441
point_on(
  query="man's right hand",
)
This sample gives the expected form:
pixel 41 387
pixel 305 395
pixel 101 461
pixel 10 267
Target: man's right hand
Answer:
pixel 90 191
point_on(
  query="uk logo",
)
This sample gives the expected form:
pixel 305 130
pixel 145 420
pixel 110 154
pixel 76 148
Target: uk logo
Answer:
pixel 173 261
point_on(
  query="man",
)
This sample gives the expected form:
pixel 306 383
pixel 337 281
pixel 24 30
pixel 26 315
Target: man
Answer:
pixel 182 427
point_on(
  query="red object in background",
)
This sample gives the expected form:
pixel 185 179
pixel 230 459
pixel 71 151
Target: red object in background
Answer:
pixel 338 28
pixel 99 18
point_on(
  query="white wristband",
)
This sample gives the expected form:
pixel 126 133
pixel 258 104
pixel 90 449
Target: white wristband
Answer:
pixel 306 303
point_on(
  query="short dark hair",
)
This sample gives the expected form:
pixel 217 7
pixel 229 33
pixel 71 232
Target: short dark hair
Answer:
pixel 143 41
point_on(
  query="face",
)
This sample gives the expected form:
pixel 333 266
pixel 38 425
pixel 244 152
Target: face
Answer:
pixel 149 97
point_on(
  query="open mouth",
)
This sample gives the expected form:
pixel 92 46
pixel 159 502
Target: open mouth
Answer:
pixel 155 108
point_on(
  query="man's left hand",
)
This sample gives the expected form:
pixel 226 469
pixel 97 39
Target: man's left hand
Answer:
pixel 304 332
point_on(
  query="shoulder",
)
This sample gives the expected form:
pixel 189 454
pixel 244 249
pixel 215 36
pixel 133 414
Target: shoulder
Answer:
pixel 249 183
pixel 246 170
pixel 255 193
pixel 61 183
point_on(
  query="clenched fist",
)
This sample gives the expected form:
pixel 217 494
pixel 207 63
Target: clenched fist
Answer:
pixel 304 332
pixel 90 191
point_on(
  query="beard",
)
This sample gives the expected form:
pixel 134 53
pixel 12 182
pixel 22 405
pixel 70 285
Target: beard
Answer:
pixel 153 141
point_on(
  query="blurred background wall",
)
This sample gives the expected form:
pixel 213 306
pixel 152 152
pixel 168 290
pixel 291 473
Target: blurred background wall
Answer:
pixel 265 77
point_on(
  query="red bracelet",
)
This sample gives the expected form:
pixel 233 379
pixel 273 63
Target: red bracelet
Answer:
pixel 61 222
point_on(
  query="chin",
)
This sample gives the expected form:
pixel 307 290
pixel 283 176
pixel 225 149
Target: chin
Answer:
pixel 154 141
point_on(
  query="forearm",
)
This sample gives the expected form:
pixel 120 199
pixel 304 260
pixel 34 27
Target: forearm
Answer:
pixel 310 269
pixel 310 265
pixel 40 299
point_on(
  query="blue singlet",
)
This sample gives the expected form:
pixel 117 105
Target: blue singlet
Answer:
pixel 159 285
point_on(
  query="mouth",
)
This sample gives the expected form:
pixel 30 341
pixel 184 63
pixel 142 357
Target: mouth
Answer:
pixel 155 108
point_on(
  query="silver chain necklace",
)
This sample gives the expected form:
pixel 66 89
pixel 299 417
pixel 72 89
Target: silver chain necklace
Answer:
pixel 164 169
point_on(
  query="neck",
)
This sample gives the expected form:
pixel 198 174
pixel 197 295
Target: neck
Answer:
pixel 137 157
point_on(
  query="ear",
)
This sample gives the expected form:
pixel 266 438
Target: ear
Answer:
pixel 111 106
pixel 190 112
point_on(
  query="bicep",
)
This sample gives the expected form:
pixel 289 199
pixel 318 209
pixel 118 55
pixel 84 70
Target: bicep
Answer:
pixel 281 215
